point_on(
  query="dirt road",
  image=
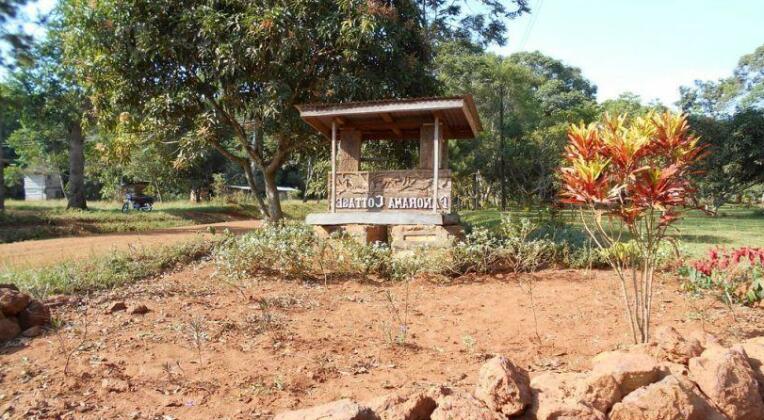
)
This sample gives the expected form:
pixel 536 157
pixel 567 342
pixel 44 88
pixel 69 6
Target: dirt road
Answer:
pixel 50 251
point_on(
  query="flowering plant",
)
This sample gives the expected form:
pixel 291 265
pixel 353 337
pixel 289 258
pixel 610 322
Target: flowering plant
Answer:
pixel 635 175
pixel 738 274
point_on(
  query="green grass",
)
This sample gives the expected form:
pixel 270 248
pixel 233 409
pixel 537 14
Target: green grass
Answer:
pixel 697 232
pixel 108 271
pixel 25 220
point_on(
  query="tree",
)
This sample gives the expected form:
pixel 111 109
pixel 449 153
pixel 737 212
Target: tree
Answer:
pixel 735 159
pixel 727 114
pixel 481 22
pixel 227 75
pixel 636 173
pixel 52 114
pixel 540 96
pixel 17 41
pixel 743 90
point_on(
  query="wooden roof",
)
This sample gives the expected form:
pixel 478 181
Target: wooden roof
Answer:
pixel 396 118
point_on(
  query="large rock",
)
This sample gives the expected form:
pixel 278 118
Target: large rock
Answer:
pixel 675 348
pixel 726 377
pixel 558 396
pixel 599 392
pixel 630 370
pixel 12 301
pixel 754 349
pixel 336 410
pixel 668 399
pixel 461 405
pixel 416 406
pixel 9 328
pixel 503 387
pixel 35 314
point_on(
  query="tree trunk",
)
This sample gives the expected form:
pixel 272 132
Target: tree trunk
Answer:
pixel 250 176
pixel 272 193
pixel 2 175
pixel 76 183
pixel 308 177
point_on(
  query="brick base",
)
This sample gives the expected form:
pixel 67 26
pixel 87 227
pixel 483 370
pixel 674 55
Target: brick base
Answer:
pixel 363 234
pixel 405 237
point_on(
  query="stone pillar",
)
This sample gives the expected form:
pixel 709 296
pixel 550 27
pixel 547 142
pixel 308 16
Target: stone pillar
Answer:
pixel 349 155
pixel 363 234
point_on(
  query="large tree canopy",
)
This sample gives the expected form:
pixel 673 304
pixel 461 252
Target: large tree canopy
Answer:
pixel 228 74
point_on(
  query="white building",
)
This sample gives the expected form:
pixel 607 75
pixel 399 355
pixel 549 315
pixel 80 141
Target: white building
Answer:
pixel 42 186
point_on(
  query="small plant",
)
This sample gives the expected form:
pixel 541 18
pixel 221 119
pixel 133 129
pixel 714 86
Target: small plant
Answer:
pixel 196 330
pixel 469 343
pixel 736 275
pixel 631 175
pixel 69 346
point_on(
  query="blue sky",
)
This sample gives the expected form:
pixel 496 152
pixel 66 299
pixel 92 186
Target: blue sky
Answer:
pixel 649 47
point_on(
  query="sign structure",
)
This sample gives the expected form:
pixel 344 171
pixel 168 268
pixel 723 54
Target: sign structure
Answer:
pixel 403 190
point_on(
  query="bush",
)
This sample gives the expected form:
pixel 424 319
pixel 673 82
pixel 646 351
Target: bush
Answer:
pixel 736 276
pixel 288 248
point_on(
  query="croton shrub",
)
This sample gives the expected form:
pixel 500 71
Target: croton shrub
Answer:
pixel 737 275
pixel 630 178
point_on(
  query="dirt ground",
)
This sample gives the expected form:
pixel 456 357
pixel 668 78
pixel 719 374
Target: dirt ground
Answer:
pixel 50 251
pixel 209 349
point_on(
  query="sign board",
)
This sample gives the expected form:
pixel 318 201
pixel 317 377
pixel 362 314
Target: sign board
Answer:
pixel 404 190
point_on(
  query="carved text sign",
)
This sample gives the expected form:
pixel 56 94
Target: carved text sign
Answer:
pixel 392 190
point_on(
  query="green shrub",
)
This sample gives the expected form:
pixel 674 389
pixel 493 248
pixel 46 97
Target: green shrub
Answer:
pixel 288 248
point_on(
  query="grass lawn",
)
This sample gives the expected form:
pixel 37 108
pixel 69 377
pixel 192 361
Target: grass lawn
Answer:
pixel 733 227
pixel 25 220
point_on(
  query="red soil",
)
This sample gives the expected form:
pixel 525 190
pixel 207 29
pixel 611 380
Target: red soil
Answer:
pixel 310 344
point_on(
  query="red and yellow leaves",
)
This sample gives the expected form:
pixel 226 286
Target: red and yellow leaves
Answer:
pixel 631 166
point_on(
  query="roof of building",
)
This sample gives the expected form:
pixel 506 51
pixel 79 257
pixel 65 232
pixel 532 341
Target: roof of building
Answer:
pixel 396 118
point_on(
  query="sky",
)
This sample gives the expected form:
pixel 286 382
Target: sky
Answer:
pixel 647 47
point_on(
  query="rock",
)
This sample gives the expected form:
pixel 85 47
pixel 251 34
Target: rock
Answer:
pixel 676 369
pixel 33 331
pixel 667 399
pixel 727 379
pixel 12 301
pixel 115 385
pixel 705 339
pixel 630 370
pixel 60 300
pixel 9 286
pixel 35 314
pixel 9 328
pixel 556 396
pixel 599 392
pixel 503 387
pixel 675 348
pixel 139 309
pixel 116 307
pixel 461 405
pixel 417 406
pixel 336 410
pixel 754 349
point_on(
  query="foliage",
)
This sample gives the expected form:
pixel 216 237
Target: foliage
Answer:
pixel 285 248
pixel 109 271
pixel 638 175
pixel 736 275
pixel 540 96
pixel 735 159
pixel 226 76
pixel 480 21
pixel 743 90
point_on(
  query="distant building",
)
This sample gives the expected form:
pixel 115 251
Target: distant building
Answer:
pixel 41 185
pixel 285 193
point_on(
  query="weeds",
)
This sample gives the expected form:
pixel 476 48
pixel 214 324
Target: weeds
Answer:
pixel 66 347
pixel 196 330
pixel 107 271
